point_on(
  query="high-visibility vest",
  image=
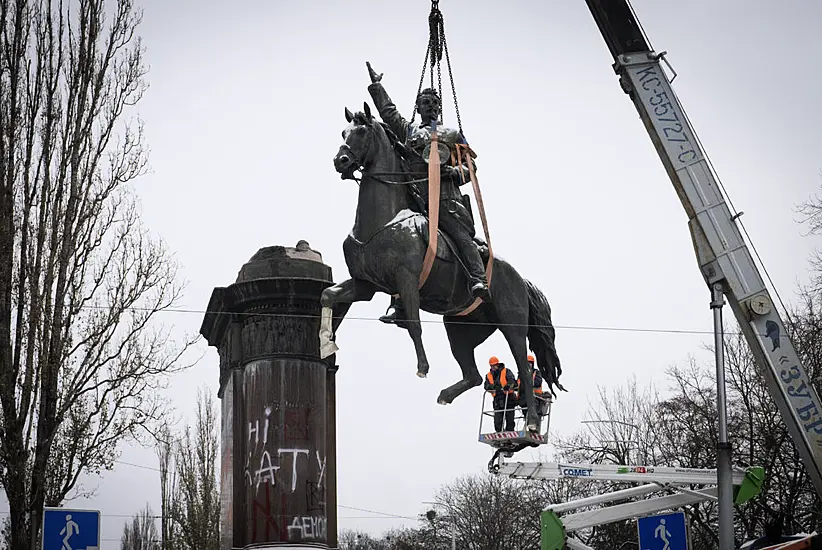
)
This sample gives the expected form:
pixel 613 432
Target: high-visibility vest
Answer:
pixel 503 380
pixel 537 391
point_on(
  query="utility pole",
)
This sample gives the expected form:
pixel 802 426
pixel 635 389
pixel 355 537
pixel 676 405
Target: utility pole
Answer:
pixel 724 471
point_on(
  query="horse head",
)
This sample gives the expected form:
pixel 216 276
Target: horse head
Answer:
pixel 360 146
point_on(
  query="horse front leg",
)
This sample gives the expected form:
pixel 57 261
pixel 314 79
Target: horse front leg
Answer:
pixel 410 296
pixel 464 338
pixel 335 301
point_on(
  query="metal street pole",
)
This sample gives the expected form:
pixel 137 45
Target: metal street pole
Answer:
pixel 724 472
pixel 453 534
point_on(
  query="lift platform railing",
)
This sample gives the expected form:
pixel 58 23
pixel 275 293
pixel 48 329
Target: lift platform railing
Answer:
pixel 519 437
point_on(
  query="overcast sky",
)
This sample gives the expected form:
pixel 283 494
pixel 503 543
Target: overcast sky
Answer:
pixel 244 115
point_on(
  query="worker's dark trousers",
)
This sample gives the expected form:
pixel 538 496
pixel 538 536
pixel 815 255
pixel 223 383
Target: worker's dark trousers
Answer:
pixel 500 412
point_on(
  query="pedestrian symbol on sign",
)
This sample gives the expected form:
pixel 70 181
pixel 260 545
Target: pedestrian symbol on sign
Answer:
pixel 662 533
pixel 69 530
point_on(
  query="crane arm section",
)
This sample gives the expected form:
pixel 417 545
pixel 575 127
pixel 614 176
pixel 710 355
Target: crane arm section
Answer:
pixel 722 254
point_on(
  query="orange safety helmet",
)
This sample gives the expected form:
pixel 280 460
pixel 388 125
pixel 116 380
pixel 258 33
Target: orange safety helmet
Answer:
pixel 493 360
pixel 531 359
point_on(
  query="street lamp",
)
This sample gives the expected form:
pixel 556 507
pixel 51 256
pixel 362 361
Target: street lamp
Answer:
pixel 431 515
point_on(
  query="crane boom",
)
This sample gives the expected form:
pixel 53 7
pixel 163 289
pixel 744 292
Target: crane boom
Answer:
pixel 721 252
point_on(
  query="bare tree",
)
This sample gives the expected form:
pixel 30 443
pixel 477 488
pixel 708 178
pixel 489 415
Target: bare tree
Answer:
pixel 165 450
pixel 403 539
pixel 811 212
pixel 491 513
pixel 195 506
pixel 618 428
pixel 81 281
pixel 141 533
pixel 488 512
pixel 358 540
pixel 433 533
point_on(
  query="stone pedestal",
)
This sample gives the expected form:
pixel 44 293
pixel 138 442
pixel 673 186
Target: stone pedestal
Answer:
pixel 278 468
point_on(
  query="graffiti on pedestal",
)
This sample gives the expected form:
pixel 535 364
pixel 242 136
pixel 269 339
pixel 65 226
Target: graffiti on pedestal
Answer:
pixel 308 528
pixel 265 468
pixel 280 472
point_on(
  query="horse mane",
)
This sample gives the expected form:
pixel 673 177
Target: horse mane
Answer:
pixel 360 118
pixel 399 147
pixel 392 137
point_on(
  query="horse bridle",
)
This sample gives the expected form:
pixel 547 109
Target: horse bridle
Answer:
pixel 376 175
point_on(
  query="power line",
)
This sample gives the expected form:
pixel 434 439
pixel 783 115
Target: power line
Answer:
pixel 137 465
pixel 376 517
pixel 433 321
pixel 386 514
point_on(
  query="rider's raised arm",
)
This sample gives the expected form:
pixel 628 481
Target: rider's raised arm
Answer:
pixel 388 111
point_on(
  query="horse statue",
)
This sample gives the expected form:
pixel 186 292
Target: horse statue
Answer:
pixel 384 252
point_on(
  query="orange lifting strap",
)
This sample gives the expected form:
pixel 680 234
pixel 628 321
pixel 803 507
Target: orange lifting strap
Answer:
pixel 433 208
pixel 434 212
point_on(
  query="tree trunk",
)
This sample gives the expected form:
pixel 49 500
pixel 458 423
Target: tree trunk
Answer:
pixel 18 510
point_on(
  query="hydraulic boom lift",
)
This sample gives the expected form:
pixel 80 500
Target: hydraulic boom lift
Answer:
pixel 559 520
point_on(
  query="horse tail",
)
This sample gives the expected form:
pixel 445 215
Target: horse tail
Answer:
pixel 541 337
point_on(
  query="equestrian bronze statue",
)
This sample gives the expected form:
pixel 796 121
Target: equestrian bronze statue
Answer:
pixel 385 249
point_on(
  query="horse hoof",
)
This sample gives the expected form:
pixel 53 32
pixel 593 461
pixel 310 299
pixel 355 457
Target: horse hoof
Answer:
pixel 442 399
pixel 421 374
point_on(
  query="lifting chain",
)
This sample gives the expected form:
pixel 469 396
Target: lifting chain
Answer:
pixel 433 56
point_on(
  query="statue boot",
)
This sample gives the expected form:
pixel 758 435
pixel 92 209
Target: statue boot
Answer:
pixel 395 317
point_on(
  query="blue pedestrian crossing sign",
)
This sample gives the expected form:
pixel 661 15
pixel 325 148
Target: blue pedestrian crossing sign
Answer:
pixel 663 532
pixel 65 529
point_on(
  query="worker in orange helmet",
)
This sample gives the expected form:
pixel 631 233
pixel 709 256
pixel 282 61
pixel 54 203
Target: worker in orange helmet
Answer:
pixel 501 383
pixel 539 397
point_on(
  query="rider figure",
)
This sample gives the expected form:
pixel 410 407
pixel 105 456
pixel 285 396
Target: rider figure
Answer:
pixel 454 218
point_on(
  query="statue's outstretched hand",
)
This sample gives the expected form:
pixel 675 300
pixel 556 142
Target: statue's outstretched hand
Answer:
pixel 373 74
